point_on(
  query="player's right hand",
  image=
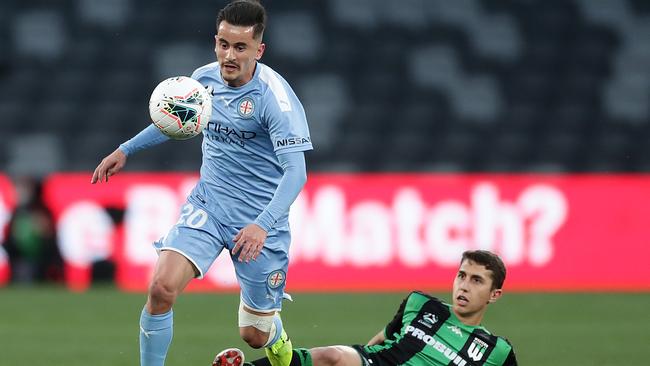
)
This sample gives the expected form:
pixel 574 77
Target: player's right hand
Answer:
pixel 249 242
pixel 109 166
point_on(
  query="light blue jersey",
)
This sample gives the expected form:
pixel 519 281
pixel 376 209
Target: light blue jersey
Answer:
pixel 249 126
pixel 253 168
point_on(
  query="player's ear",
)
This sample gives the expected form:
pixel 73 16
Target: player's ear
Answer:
pixel 260 51
pixel 495 295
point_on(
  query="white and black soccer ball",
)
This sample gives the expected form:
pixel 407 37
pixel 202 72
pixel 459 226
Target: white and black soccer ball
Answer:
pixel 180 107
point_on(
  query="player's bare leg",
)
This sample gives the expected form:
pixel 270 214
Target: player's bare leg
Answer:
pixel 264 329
pixel 320 356
pixel 172 273
pixel 255 337
pixel 335 356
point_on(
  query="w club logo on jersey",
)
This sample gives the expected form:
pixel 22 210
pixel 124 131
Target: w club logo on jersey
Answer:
pixel 246 107
pixel 477 349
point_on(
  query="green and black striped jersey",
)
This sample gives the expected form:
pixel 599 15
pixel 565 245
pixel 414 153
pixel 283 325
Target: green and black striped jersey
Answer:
pixel 425 331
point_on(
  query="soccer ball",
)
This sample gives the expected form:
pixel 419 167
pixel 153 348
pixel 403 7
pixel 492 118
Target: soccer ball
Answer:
pixel 180 107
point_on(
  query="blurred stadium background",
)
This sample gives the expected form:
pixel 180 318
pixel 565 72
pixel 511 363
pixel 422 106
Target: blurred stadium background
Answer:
pixel 424 85
pixel 409 86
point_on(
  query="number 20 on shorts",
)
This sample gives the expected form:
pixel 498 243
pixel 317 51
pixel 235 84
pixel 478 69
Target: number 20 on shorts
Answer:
pixel 192 217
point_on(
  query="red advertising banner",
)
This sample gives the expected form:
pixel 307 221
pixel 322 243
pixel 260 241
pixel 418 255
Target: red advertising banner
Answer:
pixel 7 205
pixel 383 232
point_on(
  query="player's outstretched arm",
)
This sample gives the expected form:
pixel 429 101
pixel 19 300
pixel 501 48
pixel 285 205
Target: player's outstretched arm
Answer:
pixel 114 162
pixel 109 166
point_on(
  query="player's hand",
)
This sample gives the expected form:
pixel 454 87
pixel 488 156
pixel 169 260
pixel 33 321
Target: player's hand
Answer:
pixel 377 339
pixel 109 166
pixel 249 242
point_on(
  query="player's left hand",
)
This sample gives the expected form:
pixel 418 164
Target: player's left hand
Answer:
pixel 249 242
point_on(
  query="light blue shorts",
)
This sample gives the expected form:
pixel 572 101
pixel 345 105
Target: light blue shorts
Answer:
pixel 200 238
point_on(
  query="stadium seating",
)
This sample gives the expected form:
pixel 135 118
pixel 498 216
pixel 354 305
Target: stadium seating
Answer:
pixel 417 85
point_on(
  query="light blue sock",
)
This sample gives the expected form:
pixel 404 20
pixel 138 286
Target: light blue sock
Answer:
pixel 278 331
pixel 155 336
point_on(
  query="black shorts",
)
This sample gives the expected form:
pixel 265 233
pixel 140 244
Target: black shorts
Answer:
pixel 368 359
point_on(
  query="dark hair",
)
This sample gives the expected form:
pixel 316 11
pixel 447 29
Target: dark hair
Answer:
pixel 244 13
pixel 491 262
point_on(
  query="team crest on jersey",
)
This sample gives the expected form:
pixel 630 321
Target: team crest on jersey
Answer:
pixel 246 107
pixel 477 349
pixel 428 320
pixel 276 279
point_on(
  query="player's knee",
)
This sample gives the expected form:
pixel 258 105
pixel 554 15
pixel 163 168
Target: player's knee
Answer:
pixel 327 356
pixel 161 296
pixel 253 337
pixel 258 329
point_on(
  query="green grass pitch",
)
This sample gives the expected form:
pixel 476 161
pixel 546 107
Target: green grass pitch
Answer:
pixel 50 326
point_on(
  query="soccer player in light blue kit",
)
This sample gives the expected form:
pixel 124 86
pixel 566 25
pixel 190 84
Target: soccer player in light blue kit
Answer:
pixel 253 169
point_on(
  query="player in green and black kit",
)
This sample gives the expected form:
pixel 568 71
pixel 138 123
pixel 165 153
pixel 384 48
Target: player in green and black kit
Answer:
pixel 425 331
